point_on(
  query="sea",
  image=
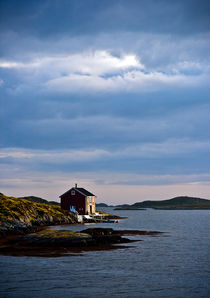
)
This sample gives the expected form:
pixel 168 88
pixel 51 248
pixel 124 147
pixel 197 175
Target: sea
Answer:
pixel 173 264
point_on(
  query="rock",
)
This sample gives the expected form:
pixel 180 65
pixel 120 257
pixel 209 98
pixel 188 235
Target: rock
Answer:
pixel 108 231
pixel 98 231
pixel 19 216
pixel 60 242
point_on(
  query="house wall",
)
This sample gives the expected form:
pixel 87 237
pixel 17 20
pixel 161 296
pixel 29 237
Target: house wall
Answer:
pixel 77 200
pixel 83 204
pixel 90 205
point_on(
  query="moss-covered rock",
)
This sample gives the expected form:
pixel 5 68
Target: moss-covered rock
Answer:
pixel 17 214
pixel 51 243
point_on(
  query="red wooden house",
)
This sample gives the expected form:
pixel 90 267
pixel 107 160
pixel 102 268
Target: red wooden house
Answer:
pixel 79 199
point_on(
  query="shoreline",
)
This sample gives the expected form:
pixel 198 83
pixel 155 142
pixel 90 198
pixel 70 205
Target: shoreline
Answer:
pixel 53 243
pixel 17 227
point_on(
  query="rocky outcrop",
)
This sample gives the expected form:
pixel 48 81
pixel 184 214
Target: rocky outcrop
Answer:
pixel 107 231
pixel 62 242
pixel 19 216
pixel 15 227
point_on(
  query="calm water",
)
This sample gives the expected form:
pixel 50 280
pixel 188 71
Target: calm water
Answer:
pixel 174 266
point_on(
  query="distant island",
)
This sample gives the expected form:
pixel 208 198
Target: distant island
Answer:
pixel 39 200
pixel 102 205
pixel 129 208
pixel 177 203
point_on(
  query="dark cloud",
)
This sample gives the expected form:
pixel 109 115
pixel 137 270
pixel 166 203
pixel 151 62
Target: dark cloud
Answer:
pixel 48 18
pixel 102 123
pixel 160 129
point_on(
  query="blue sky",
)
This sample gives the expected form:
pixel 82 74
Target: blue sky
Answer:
pixel 113 95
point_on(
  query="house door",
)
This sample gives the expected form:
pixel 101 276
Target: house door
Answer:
pixel 90 209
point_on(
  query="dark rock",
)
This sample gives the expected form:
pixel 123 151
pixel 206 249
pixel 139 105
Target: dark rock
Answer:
pixel 98 231
pixel 59 242
pixel 108 231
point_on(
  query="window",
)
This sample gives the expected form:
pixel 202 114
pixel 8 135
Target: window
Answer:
pixel 72 192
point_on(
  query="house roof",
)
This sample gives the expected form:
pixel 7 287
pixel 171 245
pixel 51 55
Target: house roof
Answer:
pixel 84 191
pixel 81 190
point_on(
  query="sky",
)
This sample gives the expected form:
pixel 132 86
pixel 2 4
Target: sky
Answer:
pixel 111 95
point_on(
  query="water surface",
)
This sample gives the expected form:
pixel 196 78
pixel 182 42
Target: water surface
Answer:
pixel 175 264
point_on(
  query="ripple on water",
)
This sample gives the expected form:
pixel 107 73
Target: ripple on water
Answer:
pixel 176 266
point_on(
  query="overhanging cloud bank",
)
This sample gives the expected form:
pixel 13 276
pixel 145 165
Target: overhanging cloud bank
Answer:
pixel 119 104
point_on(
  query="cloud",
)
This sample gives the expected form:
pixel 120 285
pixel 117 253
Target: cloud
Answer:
pixel 102 71
pixel 52 156
pixel 126 158
pixel 114 96
pixel 98 63
pixel 131 81
pixel 46 19
pixel 103 123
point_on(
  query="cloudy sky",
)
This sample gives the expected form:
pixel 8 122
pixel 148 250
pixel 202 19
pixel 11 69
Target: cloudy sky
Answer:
pixel 113 95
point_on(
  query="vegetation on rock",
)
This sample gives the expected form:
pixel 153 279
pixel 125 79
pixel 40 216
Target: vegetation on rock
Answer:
pixel 51 243
pixel 16 214
pixel 56 234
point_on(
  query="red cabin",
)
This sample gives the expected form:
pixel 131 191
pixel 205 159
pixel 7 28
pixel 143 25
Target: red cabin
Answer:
pixel 79 199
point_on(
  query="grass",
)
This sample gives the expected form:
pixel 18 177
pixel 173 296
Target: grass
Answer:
pixel 61 234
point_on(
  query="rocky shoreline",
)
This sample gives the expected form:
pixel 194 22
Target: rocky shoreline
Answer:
pixel 20 216
pixel 23 227
pixel 51 243
pixel 18 227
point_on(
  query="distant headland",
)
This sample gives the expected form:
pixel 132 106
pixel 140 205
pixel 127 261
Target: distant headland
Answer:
pixel 177 203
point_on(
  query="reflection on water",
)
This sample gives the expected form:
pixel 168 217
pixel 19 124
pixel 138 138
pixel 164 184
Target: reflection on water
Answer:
pixel 174 266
